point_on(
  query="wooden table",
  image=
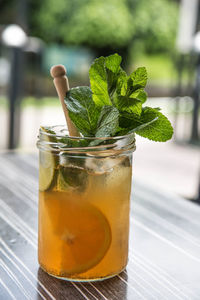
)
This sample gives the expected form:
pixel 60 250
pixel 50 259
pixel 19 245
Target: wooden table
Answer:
pixel 164 259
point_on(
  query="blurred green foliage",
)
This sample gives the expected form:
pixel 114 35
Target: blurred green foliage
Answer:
pixel 130 27
pixel 159 66
pixel 93 23
pixel 147 26
pixel 155 23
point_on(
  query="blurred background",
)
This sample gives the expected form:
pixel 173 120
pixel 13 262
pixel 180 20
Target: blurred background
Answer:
pixel 163 35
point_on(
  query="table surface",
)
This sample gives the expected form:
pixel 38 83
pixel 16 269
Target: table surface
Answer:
pixel 164 252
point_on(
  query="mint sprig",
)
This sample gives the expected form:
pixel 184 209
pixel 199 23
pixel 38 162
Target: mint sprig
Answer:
pixel 113 105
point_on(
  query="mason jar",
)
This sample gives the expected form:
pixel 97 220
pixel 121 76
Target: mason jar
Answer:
pixel 84 204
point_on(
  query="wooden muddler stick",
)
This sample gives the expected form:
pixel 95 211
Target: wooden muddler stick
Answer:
pixel 60 80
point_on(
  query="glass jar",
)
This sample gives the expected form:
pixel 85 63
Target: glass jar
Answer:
pixel 84 204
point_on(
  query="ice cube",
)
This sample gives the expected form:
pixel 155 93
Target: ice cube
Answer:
pixel 100 166
pixel 120 175
pixel 69 160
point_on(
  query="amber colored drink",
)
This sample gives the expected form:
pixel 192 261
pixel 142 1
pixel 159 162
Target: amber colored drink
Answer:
pixel 83 232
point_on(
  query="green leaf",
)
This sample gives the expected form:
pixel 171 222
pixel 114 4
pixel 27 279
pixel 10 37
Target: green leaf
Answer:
pixel 82 110
pixel 113 62
pixel 130 123
pixel 112 65
pixel 152 124
pixel 140 95
pixel 134 126
pixel 108 121
pixel 103 78
pixel 72 175
pixel 130 105
pixel 139 78
pixel 121 85
pixel 98 82
pixel 159 130
pixel 73 143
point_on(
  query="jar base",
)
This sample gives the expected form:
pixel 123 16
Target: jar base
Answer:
pixel 84 280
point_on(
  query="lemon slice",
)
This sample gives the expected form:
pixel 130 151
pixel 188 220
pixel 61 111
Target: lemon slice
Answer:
pixel 46 167
pixel 82 230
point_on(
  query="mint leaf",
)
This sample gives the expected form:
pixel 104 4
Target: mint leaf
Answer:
pixel 128 104
pixel 139 95
pixel 73 143
pixel 72 175
pixel 139 78
pixel 108 121
pixel 112 65
pixel 159 130
pixel 113 62
pixel 121 87
pixel 98 82
pixel 103 78
pixel 82 110
pixel 136 81
pixel 130 123
pixel 152 124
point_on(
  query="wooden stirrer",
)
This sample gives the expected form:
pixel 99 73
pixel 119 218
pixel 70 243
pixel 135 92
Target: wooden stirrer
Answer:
pixel 61 83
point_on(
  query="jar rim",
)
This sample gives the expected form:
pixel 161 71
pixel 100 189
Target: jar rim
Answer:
pixel 81 137
pixel 109 145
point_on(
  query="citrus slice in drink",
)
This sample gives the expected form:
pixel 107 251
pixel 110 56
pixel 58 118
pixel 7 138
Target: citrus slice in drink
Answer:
pixel 47 165
pixel 82 231
pixel 62 184
pixel 72 177
pixel 87 237
pixel 46 170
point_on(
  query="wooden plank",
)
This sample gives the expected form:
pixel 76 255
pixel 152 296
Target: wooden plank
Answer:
pixel 164 260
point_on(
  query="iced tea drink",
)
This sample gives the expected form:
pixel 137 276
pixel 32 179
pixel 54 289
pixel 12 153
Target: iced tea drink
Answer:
pixel 84 202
